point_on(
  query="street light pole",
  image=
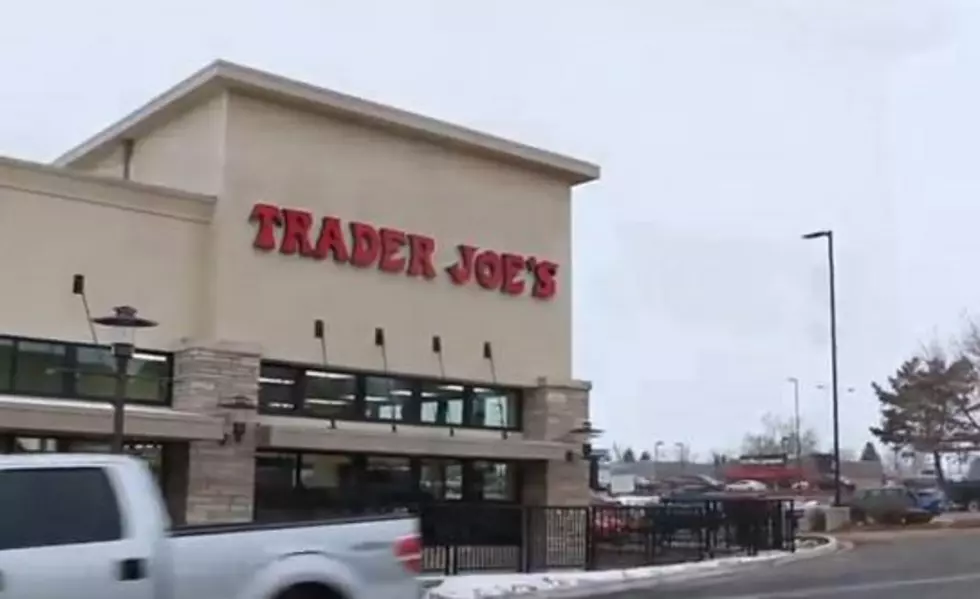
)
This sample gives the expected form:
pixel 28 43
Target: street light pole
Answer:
pixel 125 321
pixel 829 236
pixel 796 421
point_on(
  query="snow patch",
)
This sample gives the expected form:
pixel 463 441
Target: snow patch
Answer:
pixel 484 586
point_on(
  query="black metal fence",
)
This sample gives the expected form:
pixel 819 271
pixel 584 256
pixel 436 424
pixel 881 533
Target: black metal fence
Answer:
pixel 460 537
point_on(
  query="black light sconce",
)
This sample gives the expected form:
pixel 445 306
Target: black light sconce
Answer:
pixel 488 356
pixel 78 288
pixel 238 403
pixel 379 337
pixel 437 350
pixel 320 334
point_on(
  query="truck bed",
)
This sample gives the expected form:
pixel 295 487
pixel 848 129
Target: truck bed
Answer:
pixel 242 552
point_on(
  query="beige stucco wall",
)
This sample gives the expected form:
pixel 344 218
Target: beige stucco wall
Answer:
pixel 328 167
pixel 135 245
pixel 185 152
pixel 215 285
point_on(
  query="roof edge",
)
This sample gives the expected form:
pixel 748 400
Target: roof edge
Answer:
pixel 134 186
pixel 235 77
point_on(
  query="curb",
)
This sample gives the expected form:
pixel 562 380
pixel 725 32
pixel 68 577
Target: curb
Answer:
pixel 708 571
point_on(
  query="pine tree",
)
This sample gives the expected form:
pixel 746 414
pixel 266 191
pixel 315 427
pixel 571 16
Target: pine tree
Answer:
pixel 628 456
pixel 870 453
pixel 925 405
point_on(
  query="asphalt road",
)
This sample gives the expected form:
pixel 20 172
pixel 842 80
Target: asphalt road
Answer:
pixel 937 567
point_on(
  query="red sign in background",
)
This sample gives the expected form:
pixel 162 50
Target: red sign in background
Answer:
pixel 294 232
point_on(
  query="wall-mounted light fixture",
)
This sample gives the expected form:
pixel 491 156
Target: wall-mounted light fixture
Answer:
pixel 437 350
pixel 238 404
pixel 589 432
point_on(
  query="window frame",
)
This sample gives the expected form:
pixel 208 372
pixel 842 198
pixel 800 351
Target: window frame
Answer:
pixel 411 406
pixel 70 373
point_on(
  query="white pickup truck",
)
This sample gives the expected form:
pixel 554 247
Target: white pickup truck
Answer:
pixel 95 527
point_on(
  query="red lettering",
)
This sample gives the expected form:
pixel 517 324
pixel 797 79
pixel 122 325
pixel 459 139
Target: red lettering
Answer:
pixel 460 272
pixel 331 241
pixel 420 250
pixel 365 245
pixel 512 277
pixel 392 242
pixel 268 218
pixel 395 251
pixel 545 273
pixel 487 267
pixel 296 232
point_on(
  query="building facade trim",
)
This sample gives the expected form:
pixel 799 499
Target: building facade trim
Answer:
pixel 222 75
pixel 315 435
pixel 34 178
pixel 32 415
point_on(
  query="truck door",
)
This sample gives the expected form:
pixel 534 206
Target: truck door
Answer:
pixel 62 536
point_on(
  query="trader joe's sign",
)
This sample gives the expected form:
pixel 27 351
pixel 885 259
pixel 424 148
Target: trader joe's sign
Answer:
pixel 294 232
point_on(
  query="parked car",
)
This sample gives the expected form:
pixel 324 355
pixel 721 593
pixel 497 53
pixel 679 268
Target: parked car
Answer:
pixel 965 494
pixel 932 500
pixel 747 485
pixel 87 526
pixel 888 505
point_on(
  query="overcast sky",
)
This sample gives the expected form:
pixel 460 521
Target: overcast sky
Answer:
pixel 725 129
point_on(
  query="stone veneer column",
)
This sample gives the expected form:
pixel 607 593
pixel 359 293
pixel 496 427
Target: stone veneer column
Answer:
pixel 217 480
pixel 550 412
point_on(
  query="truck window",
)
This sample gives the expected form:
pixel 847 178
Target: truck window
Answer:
pixel 57 506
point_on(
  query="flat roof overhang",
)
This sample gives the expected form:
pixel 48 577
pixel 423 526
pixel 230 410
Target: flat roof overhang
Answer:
pixel 68 416
pixel 311 434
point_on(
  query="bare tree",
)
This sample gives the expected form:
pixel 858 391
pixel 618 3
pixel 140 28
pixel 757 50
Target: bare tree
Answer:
pixel 778 435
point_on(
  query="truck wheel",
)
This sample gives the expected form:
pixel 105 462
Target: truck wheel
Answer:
pixel 310 591
pixel 973 506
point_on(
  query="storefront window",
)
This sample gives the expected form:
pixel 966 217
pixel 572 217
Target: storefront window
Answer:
pixel 276 471
pixel 69 370
pixel 148 375
pixel 388 480
pixel 41 368
pixel 493 408
pixel 329 472
pixel 385 398
pixel 332 394
pixel 329 394
pixel 6 364
pixel 442 404
pixel 496 481
pixel 441 480
pixel 277 388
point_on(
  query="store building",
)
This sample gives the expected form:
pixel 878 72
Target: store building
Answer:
pixel 236 210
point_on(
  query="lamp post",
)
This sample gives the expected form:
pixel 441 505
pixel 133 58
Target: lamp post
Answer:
pixel 123 323
pixel 682 455
pixel 796 422
pixel 835 399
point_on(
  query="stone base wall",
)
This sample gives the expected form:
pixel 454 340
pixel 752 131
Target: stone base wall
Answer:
pixel 551 413
pixel 218 478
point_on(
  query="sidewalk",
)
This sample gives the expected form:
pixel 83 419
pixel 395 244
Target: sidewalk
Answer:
pixel 572 584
